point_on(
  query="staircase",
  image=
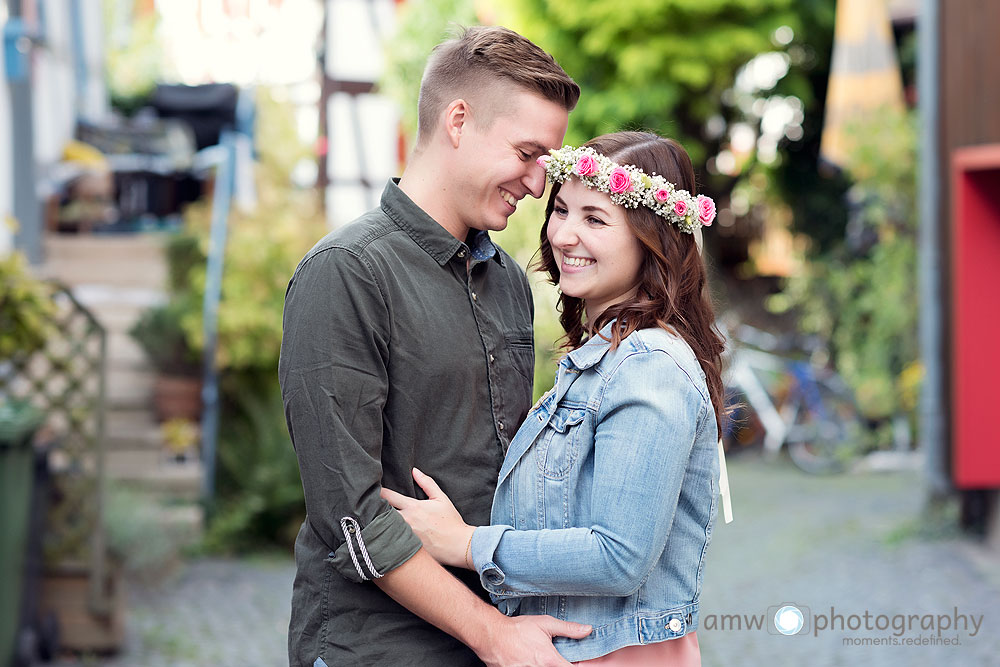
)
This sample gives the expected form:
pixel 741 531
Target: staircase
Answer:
pixel 116 278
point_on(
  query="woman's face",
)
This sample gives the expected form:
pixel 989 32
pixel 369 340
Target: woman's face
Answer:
pixel 599 257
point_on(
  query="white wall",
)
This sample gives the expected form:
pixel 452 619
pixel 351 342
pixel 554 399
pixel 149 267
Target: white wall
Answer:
pixel 93 102
pixel 53 85
pixel 354 53
pixel 6 176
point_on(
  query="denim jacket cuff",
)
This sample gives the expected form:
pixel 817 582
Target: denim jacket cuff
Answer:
pixel 383 545
pixel 485 541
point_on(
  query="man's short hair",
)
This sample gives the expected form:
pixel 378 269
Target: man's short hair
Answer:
pixel 473 62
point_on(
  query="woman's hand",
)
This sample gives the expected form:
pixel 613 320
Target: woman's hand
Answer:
pixel 435 521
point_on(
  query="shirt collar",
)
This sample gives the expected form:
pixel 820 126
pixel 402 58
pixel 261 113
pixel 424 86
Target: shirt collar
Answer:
pixel 427 233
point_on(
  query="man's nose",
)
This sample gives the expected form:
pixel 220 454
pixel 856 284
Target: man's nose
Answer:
pixel 534 180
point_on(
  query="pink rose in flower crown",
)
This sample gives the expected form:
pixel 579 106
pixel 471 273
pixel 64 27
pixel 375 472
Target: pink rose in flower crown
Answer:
pixel 680 208
pixel 620 180
pixel 585 166
pixel 662 195
pixel 706 210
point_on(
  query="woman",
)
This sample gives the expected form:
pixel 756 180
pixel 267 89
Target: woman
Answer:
pixel 606 499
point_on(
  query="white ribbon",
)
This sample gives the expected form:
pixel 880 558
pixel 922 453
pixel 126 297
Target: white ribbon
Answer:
pixel 727 502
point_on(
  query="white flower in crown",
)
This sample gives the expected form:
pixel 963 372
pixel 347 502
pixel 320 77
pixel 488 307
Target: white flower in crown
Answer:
pixel 629 186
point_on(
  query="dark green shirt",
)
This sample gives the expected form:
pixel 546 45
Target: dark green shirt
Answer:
pixel 402 347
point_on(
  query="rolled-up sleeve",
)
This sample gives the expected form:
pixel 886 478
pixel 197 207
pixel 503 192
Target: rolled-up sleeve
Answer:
pixel 334 383
pixel 646 427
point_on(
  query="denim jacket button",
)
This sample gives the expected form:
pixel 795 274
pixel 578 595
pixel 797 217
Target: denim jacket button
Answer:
pixel 674 625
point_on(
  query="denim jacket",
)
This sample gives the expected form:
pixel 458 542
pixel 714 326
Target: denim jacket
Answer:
pixel 606 500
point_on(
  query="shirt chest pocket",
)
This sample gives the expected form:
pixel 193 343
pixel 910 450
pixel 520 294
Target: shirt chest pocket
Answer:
pixel 559 446
pixel 521 349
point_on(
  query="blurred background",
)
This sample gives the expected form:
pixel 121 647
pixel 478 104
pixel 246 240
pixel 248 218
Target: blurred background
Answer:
pixel 164 166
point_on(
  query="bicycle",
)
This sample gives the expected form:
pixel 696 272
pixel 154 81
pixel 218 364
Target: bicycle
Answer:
pixel 797 404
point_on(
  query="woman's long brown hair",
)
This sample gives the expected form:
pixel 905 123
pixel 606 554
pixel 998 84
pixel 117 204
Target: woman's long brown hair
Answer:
pixel 672 290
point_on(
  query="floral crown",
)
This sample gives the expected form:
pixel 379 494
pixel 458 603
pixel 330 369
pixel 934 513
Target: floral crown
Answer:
pixel 629 186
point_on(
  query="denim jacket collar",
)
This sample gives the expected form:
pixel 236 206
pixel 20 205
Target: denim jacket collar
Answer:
pixel 591 352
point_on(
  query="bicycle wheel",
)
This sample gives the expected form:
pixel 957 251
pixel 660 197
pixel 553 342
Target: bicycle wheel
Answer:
pixel 826 433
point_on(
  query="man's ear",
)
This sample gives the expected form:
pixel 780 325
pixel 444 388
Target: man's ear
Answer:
pixel 456 115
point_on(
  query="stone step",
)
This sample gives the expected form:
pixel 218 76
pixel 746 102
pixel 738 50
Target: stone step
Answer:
pixel 129 388
pixel 124 352
pixel 129 421
pixel 133 429
pixel 134 260
pixel 155 474
pixel 128 464
pixel 119 316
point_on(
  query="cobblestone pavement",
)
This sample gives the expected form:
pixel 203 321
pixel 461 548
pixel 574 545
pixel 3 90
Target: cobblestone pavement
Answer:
pixel 837 547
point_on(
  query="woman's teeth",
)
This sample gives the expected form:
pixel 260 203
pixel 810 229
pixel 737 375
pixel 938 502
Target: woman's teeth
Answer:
pixel 578 261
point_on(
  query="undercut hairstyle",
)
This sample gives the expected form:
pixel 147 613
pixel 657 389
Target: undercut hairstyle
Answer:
pixel 672 292
pixel 471 65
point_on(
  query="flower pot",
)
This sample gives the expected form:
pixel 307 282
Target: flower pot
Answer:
pixel 177 397
pixel 66 594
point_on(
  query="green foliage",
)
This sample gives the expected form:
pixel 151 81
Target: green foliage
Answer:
pixel 681 54
pixel 134 55
pixel 135 535
pixel 158 332
pixel 861 296
pixel 26 308
pixel 261 499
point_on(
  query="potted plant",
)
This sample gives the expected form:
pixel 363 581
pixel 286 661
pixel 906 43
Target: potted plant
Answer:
pixel 26 309
pixel 180 436
pixel 177 387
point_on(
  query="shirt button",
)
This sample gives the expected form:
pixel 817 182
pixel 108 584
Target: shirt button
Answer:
pixel 461 253
pixel 474 297
pixel 675 625
pixel 500 425
pixel 492 358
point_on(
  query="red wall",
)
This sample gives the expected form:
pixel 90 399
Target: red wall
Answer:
pixel 976 316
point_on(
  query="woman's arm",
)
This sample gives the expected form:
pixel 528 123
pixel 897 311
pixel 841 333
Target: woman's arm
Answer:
pixel 435 521
pixel 647 425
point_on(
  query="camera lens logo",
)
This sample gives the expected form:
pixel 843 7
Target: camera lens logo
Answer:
pixel 789 620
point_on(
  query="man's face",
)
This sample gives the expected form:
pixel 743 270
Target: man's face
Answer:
pixel 498 162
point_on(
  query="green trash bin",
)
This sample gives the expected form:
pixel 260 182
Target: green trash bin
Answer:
pixel 18 423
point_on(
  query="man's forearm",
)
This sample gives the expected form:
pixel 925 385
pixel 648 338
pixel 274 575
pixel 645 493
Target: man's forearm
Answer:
pixel 428 590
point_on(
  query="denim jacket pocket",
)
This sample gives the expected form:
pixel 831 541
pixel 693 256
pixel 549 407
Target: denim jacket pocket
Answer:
pixel 560 443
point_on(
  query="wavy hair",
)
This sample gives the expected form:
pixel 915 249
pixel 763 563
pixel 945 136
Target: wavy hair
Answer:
pixel 672 292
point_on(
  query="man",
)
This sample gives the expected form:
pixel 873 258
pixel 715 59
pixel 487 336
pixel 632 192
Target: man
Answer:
pixel 407 342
